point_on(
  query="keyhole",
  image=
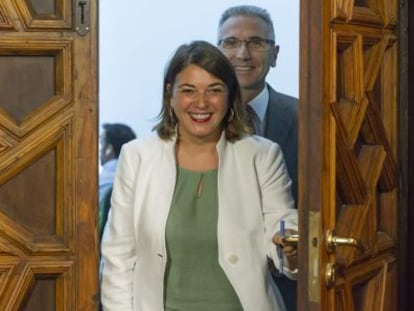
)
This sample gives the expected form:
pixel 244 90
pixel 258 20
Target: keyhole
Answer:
pixel 82 6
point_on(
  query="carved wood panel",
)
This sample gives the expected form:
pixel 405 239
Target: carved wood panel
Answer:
pixel 363 103
pixel 48 158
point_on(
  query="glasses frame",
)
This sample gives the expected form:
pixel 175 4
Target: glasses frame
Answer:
pixel 269 43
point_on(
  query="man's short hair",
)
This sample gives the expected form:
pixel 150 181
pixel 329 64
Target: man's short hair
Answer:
pixel 117 134
pixel 248 10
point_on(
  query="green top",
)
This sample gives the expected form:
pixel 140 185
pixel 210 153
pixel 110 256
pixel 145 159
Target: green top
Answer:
pixel 194 280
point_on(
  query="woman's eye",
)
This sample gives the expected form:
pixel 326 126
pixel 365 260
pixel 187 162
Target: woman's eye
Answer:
pixel 216 91
pixel 187 91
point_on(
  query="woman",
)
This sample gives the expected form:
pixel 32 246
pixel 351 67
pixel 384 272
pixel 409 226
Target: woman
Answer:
pixel 195 207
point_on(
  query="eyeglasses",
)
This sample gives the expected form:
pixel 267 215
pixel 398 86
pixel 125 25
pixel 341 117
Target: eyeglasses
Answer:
pixel 253 44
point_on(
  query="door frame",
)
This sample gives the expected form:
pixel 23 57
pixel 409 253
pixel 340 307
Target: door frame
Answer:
pixel 407 102
pixel 311 61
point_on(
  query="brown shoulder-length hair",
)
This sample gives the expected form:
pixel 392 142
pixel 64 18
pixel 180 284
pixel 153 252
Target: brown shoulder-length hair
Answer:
pixel 211 59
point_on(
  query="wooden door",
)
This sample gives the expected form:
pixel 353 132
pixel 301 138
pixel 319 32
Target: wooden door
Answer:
pixel 348 155
pixel 48 155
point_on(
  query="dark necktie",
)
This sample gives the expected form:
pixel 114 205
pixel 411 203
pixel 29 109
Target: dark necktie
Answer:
pixel 253 120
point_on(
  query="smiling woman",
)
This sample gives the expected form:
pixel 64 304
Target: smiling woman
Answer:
pixel 131 78
pixel 199 246
pixel 132 60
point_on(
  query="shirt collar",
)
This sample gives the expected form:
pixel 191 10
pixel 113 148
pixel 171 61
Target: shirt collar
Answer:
pixel 259 103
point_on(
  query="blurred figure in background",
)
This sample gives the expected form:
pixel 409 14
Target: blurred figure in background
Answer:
pixel 113 136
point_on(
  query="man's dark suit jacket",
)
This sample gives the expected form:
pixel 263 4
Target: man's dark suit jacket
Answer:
pixel 281 126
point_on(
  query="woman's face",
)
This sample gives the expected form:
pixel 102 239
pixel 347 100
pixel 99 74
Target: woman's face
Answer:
pixel 199 100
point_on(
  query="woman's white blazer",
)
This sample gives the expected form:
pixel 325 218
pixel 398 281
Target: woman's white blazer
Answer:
pixel 253 196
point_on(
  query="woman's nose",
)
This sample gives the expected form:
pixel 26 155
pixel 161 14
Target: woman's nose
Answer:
pixel 202 99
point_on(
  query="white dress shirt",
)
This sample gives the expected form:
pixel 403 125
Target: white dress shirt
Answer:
pixel 259 105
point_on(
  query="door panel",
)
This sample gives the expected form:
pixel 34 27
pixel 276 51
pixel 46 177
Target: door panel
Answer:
pixel 349 178
pixel 48 158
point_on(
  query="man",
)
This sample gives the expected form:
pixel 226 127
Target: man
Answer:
pixel 246 36
pixel 113 136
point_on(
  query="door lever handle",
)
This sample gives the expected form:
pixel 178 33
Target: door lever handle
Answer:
pixel 332 241
pixel 292 239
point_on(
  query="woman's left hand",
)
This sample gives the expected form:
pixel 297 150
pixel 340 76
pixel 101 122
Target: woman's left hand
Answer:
pixel 290 251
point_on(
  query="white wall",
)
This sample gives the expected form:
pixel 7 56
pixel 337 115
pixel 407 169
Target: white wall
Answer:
pixel 137 37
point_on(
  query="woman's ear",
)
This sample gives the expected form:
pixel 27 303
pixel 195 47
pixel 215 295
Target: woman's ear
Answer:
pixel 168 88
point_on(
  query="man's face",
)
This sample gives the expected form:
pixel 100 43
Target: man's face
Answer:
pixel 104 148
pixel 251 65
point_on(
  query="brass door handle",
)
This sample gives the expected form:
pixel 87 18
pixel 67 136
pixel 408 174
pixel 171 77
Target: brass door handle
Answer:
pixel 332 241
pixel 290 239
pixel 330 274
